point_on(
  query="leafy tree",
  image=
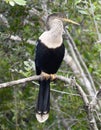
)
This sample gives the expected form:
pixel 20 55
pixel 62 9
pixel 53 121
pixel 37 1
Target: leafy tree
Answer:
pixel 21 23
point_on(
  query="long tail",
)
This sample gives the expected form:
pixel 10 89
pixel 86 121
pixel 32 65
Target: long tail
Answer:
pixel 43 104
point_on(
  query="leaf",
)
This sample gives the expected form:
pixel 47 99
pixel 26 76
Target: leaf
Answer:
pixel 20 2
pixel 77 2
pixel 99 1
pixel 12 3
pixel 26 63
pixel 83 12
pixel 7 1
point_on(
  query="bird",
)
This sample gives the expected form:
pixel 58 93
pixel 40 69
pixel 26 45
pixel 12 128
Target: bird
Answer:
pixel 49 54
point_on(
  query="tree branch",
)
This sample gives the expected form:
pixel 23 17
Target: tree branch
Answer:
pixel 92 120
pixel 18 39
pixel 65 79
pixel 83 79
pixel 80 59
pixel 35 78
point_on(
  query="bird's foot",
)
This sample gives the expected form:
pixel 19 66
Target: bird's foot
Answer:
pixel 53 76
pixel 45 76
pixel 48 76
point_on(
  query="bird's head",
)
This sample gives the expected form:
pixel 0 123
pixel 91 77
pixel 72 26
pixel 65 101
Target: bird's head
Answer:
pixel 58 16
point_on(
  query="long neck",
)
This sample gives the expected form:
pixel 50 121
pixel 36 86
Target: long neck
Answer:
pixel 56 29
pixel 53 37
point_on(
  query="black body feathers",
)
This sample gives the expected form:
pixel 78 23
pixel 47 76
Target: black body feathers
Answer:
pixel 47 60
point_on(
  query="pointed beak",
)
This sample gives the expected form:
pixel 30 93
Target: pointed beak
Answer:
pixel 69 21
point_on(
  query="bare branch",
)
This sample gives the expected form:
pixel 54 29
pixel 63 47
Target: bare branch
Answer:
pixel 81 60
pixel 98 42
pixel 82 77
pixel 89 111
pixel 95 99
pixel 17 38
pixel 35 78
pixel 16 82
pixel 94 20
pixel 68 80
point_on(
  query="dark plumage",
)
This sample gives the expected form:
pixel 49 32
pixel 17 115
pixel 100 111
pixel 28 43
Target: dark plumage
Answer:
pixel 48 60
pixel 49 55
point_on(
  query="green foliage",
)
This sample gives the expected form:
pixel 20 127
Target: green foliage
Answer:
pixel 17 103
pixel 13 2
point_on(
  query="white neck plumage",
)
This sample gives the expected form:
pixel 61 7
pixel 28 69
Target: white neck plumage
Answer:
pixel 53 37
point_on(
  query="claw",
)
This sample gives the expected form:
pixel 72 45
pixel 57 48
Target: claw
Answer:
pixel 53 76
pixel 45 75
pixel 48 76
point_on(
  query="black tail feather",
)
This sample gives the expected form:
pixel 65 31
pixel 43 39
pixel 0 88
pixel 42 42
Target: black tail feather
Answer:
pixel 43 104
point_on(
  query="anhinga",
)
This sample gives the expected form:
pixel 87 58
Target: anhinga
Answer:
pixel 49 55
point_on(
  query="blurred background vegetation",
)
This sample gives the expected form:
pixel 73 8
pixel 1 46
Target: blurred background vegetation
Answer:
pixel 17 103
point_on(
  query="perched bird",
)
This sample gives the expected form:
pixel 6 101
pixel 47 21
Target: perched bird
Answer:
pixel 49 55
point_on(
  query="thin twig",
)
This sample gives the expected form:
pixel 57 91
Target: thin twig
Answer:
pixel 95 23
pixel 92 120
